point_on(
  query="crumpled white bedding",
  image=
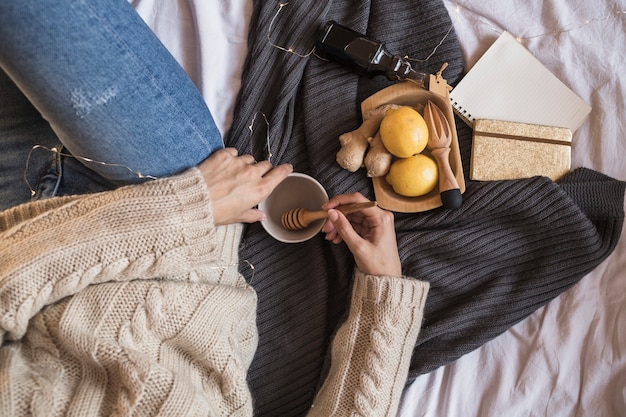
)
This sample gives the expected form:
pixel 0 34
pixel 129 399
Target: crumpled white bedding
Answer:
pixel 568 358
pixel 209 40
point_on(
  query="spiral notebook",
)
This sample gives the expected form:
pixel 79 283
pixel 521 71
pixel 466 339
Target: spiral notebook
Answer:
pixel 508 83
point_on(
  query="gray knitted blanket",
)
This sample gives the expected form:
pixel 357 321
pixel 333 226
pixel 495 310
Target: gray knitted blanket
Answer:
pixel 512 247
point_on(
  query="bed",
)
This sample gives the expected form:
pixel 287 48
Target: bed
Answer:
pixel 567 358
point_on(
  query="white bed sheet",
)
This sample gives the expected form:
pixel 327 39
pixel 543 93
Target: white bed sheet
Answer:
pixel 209 40
pixel 568 358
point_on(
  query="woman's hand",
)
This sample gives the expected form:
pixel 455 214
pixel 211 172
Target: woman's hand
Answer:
pixel 370 235
pixel 238 183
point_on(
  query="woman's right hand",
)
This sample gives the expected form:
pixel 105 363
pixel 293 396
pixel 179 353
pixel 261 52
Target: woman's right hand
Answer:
pixel 369 234
pixel 238 183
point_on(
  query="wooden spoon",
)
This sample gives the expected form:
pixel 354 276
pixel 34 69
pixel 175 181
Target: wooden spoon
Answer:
pixel 439 140
pixel 301 218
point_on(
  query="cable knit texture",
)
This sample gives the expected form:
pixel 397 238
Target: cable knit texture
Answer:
pixel 130 303
pixel 511 248
pixel 372 349
pixel 124 303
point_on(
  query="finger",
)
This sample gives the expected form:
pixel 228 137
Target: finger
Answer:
pixel 252 216
pixel 232 151
pixel 264 167
pixel 331 235
pixel 327 227
pixel 276 174
pixel 344 229
pixel 341 199
pixel 248 159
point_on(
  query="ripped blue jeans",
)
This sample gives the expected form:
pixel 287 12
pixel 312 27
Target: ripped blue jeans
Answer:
pixel 89 78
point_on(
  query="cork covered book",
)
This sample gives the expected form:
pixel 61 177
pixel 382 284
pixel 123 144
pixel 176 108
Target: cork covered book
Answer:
pixel 503 150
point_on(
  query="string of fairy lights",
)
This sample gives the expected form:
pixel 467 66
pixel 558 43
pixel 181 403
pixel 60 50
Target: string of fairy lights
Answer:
pixel 459 10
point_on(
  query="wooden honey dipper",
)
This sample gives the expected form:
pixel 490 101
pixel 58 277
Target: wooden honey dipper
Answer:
pixel 301 218
pixel 439 140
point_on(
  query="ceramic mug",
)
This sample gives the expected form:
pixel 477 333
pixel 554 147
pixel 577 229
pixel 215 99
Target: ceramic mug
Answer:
pixel 295 191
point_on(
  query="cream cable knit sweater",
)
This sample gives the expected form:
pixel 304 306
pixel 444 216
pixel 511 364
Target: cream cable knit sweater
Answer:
pixel 130 303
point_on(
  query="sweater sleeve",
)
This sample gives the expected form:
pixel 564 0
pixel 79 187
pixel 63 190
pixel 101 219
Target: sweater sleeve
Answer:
pixel 371 351
pixel 53 248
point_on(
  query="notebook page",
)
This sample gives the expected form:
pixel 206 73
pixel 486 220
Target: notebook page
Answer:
pixel 508 83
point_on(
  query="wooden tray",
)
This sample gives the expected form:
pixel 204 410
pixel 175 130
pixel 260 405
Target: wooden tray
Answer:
pixel 409 94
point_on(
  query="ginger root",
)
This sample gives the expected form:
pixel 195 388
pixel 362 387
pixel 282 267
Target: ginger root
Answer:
pixel 378 158
pixel 353 147
pixel 354 144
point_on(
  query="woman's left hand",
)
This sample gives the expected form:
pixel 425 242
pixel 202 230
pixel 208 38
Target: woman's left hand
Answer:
pixel 237 184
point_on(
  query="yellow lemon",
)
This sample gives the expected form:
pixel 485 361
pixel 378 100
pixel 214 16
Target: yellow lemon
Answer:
pixel 413 176
pixel 404 132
